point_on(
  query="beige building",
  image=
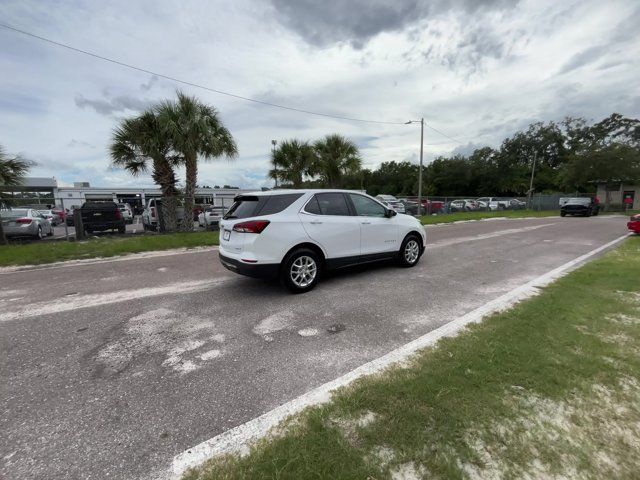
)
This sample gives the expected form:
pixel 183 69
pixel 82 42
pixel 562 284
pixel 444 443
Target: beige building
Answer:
pixel 619 194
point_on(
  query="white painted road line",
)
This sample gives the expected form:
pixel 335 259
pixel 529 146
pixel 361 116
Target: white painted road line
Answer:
pixel 67 304
pixel 96 261
pixel 237 439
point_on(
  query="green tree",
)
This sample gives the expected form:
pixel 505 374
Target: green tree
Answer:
pixel 292 160
pixel 139 144
pixel 194 130
pixel 12 172
pixel 336 156
pixel 609 164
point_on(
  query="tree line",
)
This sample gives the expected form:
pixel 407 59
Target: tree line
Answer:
pixel 569 156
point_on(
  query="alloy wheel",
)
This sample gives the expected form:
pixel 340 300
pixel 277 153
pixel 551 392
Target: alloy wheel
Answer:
pixel 303 271
pixel 411 251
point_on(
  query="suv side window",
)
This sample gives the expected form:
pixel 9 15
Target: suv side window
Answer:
pixel 332 204
pixel 365 207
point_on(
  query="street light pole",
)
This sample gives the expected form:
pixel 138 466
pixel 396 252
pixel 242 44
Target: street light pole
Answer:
pixel 421 121
pixel 420 171
pixel 275 167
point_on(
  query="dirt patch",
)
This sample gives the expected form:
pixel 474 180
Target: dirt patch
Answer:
pixel 180 340
pixel 600 426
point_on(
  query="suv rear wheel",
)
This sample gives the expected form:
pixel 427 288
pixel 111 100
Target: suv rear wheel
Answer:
pixel 409 253
pixel 301 270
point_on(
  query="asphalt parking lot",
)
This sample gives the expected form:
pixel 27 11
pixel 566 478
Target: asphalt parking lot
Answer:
pixel 109 369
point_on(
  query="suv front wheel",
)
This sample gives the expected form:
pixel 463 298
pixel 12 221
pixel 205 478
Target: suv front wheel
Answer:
pixel 301 270
pixel 409 253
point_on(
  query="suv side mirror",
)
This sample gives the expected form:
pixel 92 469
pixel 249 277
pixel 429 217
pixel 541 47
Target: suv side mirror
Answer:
pixel 390 213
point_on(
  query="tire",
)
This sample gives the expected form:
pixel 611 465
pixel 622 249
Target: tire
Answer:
pixel 410 251
pixel 39 233
pixel 122 229
pixel 301 270
pixel 563 214
pixel 50 234
pixel 588 214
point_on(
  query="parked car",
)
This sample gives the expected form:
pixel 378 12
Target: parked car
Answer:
pixel 492 203
pixel 583 206
pixel 433 206
pixel 101 216
pixel 299 234
pixel 410 208
pixel 25 222
pixel 150 214
pixel 69 217
pixel 392 202
pixel 50 215
pixel 127 213
pixel 634 224
pixel 515 204
pixel 61 212
pixel 210 216
pixel 463 206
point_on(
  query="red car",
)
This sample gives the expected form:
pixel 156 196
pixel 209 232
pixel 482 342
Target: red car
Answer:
pixel 634 224
pixel 432 206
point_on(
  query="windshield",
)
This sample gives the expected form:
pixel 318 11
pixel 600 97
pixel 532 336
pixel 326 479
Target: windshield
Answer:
pixel 578 201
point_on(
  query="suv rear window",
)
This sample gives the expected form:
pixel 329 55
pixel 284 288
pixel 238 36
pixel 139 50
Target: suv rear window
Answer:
pixel 252 206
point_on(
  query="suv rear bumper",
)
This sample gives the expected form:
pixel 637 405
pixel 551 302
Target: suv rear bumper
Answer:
pixel 264 270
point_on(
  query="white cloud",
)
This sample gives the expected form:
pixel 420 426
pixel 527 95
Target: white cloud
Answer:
pixel 477 71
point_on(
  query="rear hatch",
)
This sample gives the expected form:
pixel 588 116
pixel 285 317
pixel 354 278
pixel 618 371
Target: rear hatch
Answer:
pixel 245 209
pixel 100 213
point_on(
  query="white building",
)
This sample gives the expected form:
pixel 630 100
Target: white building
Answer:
pixel 46 191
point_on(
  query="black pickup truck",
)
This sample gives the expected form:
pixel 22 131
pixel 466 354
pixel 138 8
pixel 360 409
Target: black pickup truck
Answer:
pixel 101 216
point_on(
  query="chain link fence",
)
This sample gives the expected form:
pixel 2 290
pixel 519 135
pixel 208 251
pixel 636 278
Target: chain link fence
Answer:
pixel 140 217
pixel 443 205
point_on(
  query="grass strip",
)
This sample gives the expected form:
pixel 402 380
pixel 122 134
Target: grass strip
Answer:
pixel 548 389
pixel 55 251
pixel 464 216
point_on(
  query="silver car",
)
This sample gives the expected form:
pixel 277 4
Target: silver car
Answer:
pixel 25 222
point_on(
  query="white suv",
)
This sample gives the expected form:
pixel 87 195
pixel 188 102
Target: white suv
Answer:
pixel 295 234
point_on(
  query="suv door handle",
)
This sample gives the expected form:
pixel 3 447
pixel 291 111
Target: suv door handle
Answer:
pixel 315 223
pixel 366 223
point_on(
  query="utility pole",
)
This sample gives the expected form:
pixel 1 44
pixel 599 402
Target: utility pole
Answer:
pixel 421 121
pixel 533 171
pixel 275 167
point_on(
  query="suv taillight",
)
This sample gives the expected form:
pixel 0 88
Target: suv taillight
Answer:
pixel 153 211
pixel 118 214
pixel 252 226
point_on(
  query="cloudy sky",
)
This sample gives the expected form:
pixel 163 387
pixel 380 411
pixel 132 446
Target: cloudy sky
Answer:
pixel 477 70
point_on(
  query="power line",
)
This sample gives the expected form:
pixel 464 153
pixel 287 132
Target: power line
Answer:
pixel 203 87
pixel 184 82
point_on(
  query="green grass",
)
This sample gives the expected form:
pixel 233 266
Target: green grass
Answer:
pixel 550 387
pixel 460 216
pixel 55 251
pixel 463 216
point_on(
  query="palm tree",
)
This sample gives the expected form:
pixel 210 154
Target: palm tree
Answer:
pixel 194 129
pixel 12 172
pixel 291 161
pixel 139 144
pixel 336 156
